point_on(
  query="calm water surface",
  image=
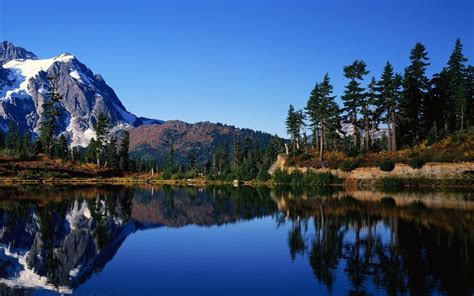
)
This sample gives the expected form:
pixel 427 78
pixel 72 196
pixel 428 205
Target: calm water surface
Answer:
pixel 234 241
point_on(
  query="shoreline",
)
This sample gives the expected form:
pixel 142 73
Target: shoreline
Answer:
pixel 400 183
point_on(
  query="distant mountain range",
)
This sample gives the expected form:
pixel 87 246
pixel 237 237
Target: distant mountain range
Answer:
pixel 23 87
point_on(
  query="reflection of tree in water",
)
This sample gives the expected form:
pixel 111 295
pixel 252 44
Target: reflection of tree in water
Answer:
pixel 296 240
pixel 50 248
pixel 48 227
pixel 374 245
pixel 326 249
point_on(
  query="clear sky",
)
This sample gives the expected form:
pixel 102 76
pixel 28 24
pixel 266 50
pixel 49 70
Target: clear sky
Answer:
pixel 235 62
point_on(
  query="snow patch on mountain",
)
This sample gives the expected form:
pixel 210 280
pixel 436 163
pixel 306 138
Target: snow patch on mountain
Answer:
pixel 79 214
pixel 79 137
pixel 24 70
pixel 27 277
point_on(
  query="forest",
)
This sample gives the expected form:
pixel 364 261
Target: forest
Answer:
pixel 396 110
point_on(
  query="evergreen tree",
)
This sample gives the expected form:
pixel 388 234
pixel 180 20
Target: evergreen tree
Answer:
pixel 329 115
pixel 388 102
pixel 415 89
pixel 367 113
pixel 312 112
pixel 373 113
pixel 169 166
pixel 50 115
pixel 458 87
pixel 26 145
pixel 61 148
pixel 437 111
pixel 2 140
pixel 101 128
pixel 111 154
pixel 191 161
pixel 294 123
pixel 11 137
pixel 124 162
pixel 353 96
pixel 237 152
pixel 219 160
pixel 470 95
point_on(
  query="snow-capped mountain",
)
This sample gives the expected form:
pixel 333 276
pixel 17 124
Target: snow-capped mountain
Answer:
pixel 24 84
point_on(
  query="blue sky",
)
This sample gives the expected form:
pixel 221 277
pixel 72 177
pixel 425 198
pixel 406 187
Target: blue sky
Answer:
pixel 235 62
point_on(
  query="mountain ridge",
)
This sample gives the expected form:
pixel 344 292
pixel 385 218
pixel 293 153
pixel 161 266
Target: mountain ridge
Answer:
pixel 23 89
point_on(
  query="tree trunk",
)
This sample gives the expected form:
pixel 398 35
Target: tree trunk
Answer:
pixel 394 133
pixel 316 137
pixel 321 142
pixel 462 117
pixel 389 135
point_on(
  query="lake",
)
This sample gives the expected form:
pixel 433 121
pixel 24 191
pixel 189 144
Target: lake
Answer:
pixel 165 240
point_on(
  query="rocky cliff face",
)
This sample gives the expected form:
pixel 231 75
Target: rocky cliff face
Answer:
pixel 9 52
pixel 85 96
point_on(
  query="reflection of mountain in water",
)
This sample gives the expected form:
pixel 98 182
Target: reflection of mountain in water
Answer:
pixel 57 246
pixel 57 243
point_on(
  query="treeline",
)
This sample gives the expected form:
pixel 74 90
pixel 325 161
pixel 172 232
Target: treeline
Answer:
pixel 105 150
pixel 411 107
pixel 242 159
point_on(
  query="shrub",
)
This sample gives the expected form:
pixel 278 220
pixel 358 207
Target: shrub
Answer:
pixel 320 179
pixel 297 178
pixel 348 165
pixel 263 175
pixel 353 152
pixel 281 177
pixel 416 162
pixel 386 165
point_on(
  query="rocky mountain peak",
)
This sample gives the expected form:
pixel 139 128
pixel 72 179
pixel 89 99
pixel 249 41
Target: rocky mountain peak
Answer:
pixel 9 52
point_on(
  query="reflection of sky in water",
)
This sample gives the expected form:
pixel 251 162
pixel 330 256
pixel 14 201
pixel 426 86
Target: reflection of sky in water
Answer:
pixel 251 256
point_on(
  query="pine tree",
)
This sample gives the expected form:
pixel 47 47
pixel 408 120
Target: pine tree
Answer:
pixel 294 123
pixel 353 96
pixel 111 154
pixel 219 160
pixel 61 148
pixel 169 165
pixel 192 161
pixel 11 137
pixel 437 111
pixel 124 162
pixel 415 89
pixel 366 111
pixel 388 102
pixel 101 128
pixel 470 95
pixel 25 147
pixel 323 113
pixel 237 151
pixel 2 140
pixel 312 108
pixel 457 88
pixel 373 112
pixel 50 115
